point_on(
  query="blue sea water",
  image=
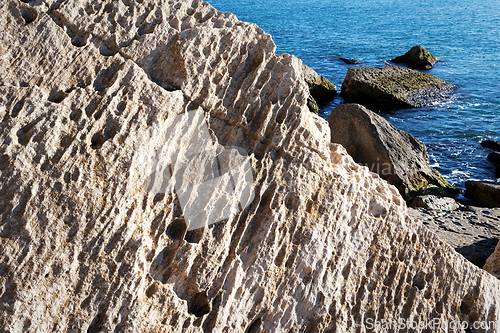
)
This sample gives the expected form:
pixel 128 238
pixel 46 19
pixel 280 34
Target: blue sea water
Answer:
pixel 464 35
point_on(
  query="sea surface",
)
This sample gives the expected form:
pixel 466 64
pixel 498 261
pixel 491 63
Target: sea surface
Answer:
pixel 464 35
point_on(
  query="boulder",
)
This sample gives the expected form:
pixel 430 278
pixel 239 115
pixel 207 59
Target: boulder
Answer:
pixel 485 194
pixel 350 61
pixel 492 144
pixel 435 202
pixel 394 155
pixel 493 262
pixel 494 158
pixel 393 87
pixel 417 57
pixel 322 90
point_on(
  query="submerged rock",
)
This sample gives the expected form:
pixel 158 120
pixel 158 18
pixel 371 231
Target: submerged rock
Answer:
pixel 483 193
pixel 494 158
pixel 322 90
pixel 114 114
pixel 350 61
pixel 493 263
pixel 393 87
pixel 417 57
pixel 394 155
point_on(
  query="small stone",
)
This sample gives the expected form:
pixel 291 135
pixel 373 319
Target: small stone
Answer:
pixel 417 57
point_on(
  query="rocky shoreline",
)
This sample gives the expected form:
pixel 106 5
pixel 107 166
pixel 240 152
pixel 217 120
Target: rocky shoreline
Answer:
pixel 471 227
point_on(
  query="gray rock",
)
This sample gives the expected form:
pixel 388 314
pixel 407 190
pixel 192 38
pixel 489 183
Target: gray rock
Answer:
pixel 322 90
pixel 435 202
pixel 417 57
pixel 393 87
pixel 471 231
pixel 483 193
pixel 393 154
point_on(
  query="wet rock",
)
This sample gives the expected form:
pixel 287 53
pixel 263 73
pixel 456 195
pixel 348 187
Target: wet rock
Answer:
pixel 394 155
pixel 350 61
pixel 494 158
pixel 393 87
pixel 492 144
pixel 417 57
pixel 485 194
pixel 322 90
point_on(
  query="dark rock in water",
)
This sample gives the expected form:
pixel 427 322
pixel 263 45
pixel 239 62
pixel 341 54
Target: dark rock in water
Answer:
pixel 393 87
pixel 350 61
pixel 393 154
pixel 435 202
pixel 494 158
pixel 321 90
pixel 492 144
pixel 417 57
pixel 483 193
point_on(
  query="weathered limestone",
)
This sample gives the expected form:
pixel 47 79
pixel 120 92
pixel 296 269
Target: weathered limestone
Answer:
pixel 417 57
pixel 324 246
pixel 393 87
pixel 493 263
pixel 394 155
pixel 435 202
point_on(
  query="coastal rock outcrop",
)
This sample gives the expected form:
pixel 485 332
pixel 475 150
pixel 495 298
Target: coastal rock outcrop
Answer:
pixel 394 155
pixel 111 111
pixel 417 57
pixel 486 194
pixel 321 89
pixel 393 87
pixel 493 263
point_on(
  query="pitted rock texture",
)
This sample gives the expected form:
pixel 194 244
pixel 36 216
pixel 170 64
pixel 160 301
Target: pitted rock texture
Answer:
pixel 493 263
pixel 393 87
pixel 324 246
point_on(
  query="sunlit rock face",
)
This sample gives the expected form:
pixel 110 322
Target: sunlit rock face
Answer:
pixel 93 241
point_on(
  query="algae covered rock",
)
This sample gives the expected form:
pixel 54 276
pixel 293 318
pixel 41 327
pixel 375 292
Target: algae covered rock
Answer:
pixel 321 89
pixel 393 87
pixel 394 155
pixel 417 57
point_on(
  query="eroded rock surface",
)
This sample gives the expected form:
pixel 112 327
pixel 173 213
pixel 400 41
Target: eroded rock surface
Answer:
pixel 324 246
pixel 393 87
pixel 493 263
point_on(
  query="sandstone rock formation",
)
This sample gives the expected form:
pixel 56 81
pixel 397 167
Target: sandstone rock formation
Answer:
pixel 493 263
pixel 417 57
pixel 393 87
pixel 88 88
pixel 485 194
pixel 322 91
pixel 394 155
